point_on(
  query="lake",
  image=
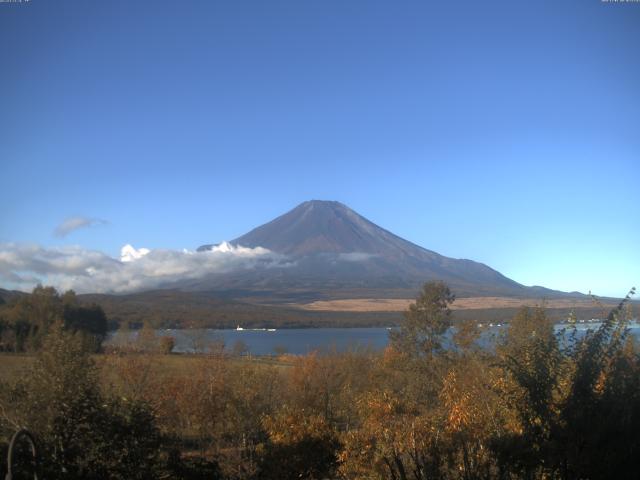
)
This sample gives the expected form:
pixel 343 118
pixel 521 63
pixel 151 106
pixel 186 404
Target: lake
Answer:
pixel 302 340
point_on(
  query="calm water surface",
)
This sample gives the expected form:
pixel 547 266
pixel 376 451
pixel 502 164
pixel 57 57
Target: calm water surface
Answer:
pixel 302 340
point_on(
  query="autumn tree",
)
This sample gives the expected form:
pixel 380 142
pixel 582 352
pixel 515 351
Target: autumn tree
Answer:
pixel 89 320
pixel 576 404
pixel 33 315
pixel 82 432
pixel 472 418
pixel 397 439
pixel 600 415
pixel 28 319
pixel 300 446
pixel 167 344
pixel 530 384
pixel 147 340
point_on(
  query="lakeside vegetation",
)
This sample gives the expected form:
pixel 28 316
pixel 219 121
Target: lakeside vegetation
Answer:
pixel 535 408
pixel 27 320
pixel 177 309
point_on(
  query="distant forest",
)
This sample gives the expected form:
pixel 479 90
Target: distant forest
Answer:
pixel 25 320
pixel 178 309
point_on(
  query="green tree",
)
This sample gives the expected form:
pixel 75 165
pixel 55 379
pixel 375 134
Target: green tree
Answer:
pixel 29 318
pixel 425 322
pixel 33 315
pixel 90 321
pixel 533 382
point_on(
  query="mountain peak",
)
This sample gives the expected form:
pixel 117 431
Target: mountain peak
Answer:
pixel 322 207
pixel 329 243
pixel 318 226
pixel 323 203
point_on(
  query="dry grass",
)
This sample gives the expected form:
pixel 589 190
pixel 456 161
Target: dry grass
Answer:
pixel 12 366
pixel 470 303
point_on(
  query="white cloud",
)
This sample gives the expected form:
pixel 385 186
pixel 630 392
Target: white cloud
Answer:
pixel 22 266
pixel 129 254
pixel 72 224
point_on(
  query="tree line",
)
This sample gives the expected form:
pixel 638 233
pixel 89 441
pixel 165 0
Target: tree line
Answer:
pixel 26 320
pixel 540 405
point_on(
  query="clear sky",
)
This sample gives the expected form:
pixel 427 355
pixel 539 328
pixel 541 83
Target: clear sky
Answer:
pixel 505 132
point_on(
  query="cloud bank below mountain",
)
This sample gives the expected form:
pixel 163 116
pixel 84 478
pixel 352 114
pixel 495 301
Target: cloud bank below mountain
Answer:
pixel 22 266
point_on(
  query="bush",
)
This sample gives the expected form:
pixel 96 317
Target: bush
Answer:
pixel 167 345
pixel 82 433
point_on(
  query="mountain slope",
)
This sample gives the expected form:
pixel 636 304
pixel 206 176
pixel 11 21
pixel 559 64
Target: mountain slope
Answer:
pixel 331 246
pixel 321 227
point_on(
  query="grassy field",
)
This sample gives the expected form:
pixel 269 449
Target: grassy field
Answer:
pixel 12 365
pixel 469 303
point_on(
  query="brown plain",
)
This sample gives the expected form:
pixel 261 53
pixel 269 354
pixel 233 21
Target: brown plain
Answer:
pixel 469 303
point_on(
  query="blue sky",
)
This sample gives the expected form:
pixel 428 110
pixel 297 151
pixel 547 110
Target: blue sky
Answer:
pixel 505 132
